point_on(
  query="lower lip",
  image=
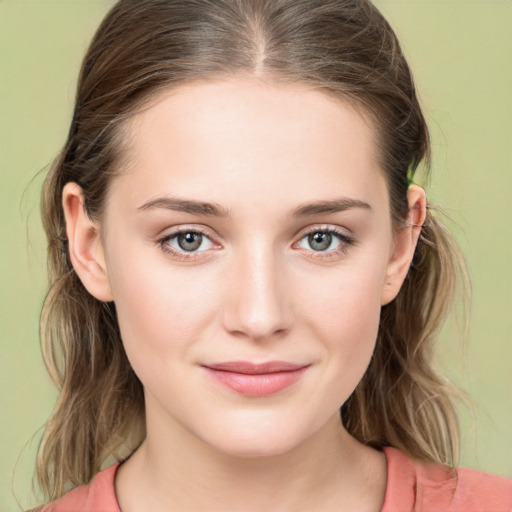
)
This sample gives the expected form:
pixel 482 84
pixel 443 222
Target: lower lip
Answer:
pixel 258 385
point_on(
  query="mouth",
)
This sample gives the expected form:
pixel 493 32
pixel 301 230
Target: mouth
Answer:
pixel 256 380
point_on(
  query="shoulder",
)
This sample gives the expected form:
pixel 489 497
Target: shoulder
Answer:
pixel 477 490
pixel 97 496
pixel 422 487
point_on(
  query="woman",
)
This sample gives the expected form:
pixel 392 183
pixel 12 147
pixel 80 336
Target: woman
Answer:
pixel 238 253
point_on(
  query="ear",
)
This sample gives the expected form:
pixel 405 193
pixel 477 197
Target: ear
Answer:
pixel 84 244
pixel 406 239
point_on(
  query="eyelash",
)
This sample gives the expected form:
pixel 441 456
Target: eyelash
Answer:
pixel 182 255
pixel 345 241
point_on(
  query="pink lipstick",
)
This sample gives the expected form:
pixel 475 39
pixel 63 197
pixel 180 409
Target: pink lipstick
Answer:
pixel 256 380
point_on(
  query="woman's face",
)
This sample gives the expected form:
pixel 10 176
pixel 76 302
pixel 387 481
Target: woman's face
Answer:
pixel 250 226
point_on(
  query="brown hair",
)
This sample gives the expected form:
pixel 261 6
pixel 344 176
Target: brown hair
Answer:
pixel 343 47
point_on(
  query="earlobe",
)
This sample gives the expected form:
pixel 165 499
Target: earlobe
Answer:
pixel 406 240
pixel 84 244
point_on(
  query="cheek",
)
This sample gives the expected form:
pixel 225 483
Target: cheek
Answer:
pixel 161 311
pixel 344 313
pixel 347 300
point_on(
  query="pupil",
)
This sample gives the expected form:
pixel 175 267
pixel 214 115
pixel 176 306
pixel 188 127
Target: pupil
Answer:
pixel 320 241
pixel 190 241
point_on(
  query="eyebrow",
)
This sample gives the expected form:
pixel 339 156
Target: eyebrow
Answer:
pixel 332 206
pixel 215 210
pixel 185 205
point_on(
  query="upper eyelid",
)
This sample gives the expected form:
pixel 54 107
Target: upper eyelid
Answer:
pixel 175 231
pixel 326 228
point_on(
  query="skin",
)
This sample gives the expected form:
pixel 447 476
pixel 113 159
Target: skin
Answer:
pixel 255 290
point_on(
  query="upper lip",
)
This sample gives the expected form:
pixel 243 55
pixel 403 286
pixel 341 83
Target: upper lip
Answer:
pixel 255 369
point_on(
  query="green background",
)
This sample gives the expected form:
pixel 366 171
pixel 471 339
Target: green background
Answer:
pixel 460 51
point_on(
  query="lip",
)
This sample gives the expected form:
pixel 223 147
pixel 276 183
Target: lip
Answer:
pixel 256 380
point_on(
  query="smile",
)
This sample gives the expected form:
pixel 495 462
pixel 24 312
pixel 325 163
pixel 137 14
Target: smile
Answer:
pixel 256 380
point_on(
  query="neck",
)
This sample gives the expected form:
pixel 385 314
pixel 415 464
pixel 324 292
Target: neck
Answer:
pixel 174 470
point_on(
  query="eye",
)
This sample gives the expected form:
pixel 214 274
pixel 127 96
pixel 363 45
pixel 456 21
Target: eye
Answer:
pixel 320 241
pixel 186 242
pixel 328 241
pixel 190 242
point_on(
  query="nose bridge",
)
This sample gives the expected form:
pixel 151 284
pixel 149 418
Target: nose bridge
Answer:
pixel 258 306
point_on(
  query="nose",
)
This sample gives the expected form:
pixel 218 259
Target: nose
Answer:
pixel 257 305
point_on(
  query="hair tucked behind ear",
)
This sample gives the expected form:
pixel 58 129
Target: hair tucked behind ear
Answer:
pixel 100 409
pixel 342 47
pixel 402 401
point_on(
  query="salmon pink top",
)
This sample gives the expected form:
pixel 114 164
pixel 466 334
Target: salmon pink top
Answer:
pixel 411 487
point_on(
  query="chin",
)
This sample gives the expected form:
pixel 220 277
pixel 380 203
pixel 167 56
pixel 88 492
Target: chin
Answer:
pixel 255 448
pixel 265 437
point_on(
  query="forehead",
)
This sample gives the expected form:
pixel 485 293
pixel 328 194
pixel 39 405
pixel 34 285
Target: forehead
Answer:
pixel 216 137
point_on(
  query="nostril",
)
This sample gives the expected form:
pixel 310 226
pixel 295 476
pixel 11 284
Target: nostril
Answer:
pixel 275 328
